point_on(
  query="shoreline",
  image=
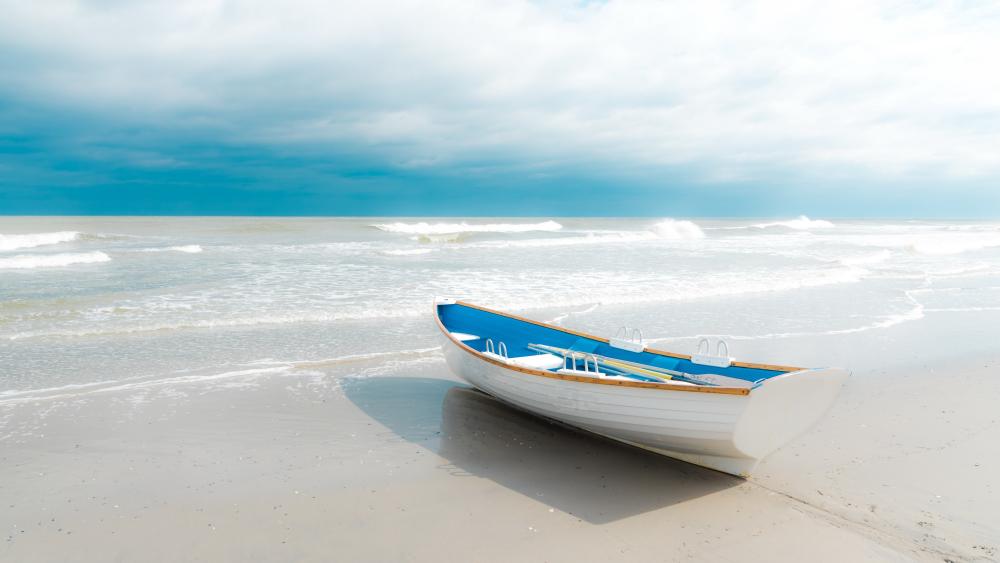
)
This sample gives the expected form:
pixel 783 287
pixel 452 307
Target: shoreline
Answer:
pixel 412 465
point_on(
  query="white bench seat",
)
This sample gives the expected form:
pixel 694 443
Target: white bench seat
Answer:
pixel 537 361
pixel 465 337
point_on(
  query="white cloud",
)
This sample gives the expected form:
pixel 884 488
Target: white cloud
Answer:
pixel 885 89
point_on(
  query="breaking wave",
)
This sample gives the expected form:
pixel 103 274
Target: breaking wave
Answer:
pixel 673 229
pixel 189 248
pixel 587 239
pixel 446 237
pixel 424 228
pixel 947 245
pixel 408 252
pixel 15 242
pixel 802 223
pixel 668 229
pixel 31 261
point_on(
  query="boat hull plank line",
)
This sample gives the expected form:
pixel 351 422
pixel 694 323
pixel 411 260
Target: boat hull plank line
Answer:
pixel 729 429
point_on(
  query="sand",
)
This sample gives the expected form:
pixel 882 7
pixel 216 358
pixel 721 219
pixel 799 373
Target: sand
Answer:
pixel 413 465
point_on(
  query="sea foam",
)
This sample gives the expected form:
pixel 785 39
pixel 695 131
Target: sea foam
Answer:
pixel 188 248
pixel 947 244
pixel 867 259
pixel 802 223
pixel 31 240
pixel 424 228
pixel 673 229
pixel 31 261
pixel 408 252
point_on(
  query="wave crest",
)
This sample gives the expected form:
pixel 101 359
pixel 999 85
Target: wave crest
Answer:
pixel 31 240
pixel 802 223
pixel 31 261
pixel 946 246
pixel 188 248
pixel 673 229
pixel 424 228
pixel 408 252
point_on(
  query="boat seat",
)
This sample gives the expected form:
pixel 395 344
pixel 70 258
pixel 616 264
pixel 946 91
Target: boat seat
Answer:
pixel 581 372
pixel 538 361
pixel 464 337
pixel 677 382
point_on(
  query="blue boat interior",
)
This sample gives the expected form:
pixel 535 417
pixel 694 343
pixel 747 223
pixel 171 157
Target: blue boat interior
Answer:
pixel 477 327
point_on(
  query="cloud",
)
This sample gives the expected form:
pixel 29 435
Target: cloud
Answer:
pixel 736 91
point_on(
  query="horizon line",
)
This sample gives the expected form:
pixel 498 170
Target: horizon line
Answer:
pixel 479 216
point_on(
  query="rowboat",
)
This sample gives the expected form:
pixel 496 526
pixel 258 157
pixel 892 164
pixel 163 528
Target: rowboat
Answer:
pixel 703 408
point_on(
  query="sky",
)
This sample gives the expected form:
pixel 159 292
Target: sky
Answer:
pixel 301 107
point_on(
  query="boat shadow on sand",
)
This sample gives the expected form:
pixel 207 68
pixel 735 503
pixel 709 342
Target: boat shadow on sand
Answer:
pixel 593 478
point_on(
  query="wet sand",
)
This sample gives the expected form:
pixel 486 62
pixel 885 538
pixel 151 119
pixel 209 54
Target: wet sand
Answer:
pixel 415 466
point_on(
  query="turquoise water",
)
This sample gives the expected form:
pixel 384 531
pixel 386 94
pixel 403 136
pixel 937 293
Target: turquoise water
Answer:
pixel 103 302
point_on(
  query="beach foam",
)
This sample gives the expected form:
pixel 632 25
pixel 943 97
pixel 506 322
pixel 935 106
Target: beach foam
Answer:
pixel 346 282
pixel 352 358
pixel 610 289
pixel 234 322
pixel 539 291
pixel 867 259
pixel 132 384
pixel 915 313
pixel 948 244
pixel 962 309
pixel 560 318
pixel 32 261
pixel 423 228
pixel 211 375
pixel 16 242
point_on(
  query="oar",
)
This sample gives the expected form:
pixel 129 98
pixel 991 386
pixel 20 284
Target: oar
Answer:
pixel 642 370
pixel 654 372
pixel 621 364
pixel 618 371
pixel 630 373
pixel 658 375
pixel 698 379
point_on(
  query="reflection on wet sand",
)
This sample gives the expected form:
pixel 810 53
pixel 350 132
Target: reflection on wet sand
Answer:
pixel 595 479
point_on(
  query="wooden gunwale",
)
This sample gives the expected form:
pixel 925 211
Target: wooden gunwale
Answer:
pixel 605 340
pixel 566 377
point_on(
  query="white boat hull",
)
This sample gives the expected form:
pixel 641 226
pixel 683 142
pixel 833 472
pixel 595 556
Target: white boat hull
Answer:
pixel 725 432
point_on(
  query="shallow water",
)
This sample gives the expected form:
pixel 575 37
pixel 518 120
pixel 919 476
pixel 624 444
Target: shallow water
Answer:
pixel 109 302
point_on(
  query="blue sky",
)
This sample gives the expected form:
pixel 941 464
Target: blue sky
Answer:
pixel 488 108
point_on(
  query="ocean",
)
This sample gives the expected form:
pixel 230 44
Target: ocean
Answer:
pixel 109 303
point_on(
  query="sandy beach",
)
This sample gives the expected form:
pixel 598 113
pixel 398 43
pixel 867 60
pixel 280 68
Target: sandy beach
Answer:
pixel 210 389
pixel 276 277
pixel 411 465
